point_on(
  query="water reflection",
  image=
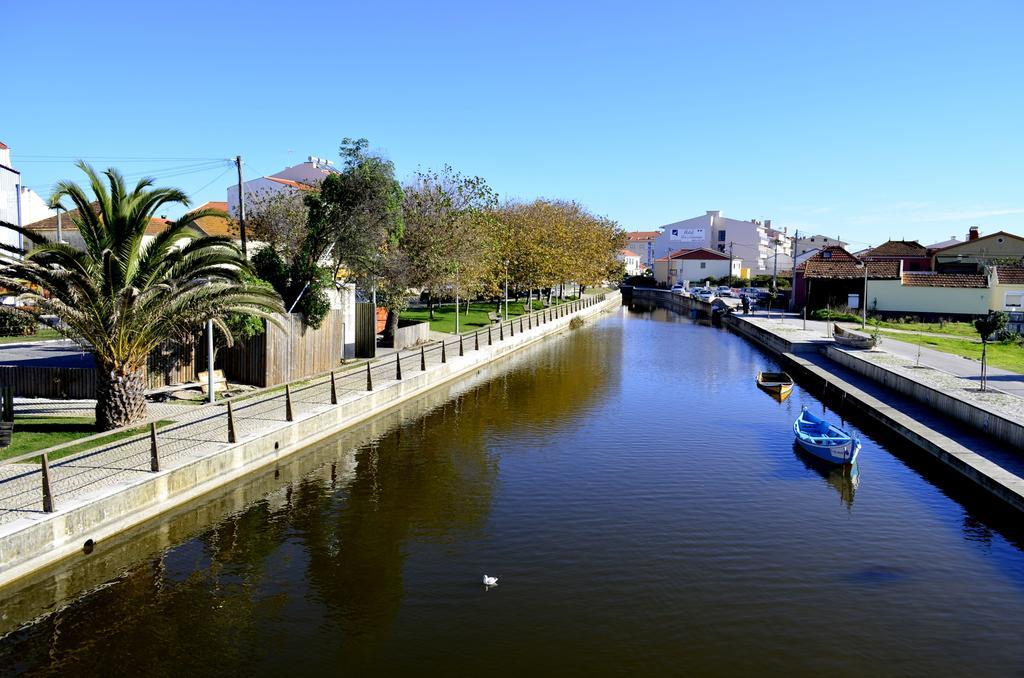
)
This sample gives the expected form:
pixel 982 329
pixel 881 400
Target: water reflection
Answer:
pixel 843 478
pixel 316 547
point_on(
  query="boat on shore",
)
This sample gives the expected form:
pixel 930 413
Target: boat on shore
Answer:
pixel 824 440
pixel 779 384
pixel 851 338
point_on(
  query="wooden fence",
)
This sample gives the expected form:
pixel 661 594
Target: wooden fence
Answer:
pixel 284 354
pixel 168 365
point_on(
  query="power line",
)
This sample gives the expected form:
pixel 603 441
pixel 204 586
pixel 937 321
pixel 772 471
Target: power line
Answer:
pixel 28 157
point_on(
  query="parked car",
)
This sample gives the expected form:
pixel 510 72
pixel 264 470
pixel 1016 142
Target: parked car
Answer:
pixel 749 292
pixel 679 288
pixel 704 294
pixel 724 291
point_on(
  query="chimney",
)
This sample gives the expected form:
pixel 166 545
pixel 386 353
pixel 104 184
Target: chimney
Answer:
pixel 767 223
pixel 5 154
pixel 973 233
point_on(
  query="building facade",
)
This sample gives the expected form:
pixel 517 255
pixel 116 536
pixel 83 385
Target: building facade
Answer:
pixel 763 249
pixel 641 243
pixel 631 261
pixel 694 266
pixel 10 198
pixel 304 176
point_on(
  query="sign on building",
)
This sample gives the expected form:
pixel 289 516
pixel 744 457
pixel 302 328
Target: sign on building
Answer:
pixel 688 236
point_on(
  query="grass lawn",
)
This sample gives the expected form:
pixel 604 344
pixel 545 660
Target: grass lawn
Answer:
pixel 1007 356
pixel 33 433
pixel 958 329
pixel 444 316
pixel 42 334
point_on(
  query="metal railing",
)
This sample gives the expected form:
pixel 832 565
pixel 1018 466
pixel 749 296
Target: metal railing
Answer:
pixel 228 420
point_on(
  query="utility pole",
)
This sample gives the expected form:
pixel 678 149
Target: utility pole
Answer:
pixel 241 205
pixel 60 232
pixel 792 294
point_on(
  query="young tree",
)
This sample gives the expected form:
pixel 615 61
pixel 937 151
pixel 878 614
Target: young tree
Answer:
pixel 119 298
pixel 986 327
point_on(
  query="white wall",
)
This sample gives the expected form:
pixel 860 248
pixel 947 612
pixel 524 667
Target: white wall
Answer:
pixel 750 241
pixel 893 296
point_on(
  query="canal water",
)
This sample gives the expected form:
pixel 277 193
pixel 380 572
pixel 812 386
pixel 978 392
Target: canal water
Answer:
pixel 640 501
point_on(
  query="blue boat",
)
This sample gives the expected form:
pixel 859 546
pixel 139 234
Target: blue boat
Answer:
pixel 824 440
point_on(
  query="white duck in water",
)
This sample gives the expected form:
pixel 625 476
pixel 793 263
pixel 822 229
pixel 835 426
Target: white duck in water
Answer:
pixel 490 581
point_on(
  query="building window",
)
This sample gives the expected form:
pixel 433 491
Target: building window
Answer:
pixel 703 264
pixel 1014 299
pixel 721 236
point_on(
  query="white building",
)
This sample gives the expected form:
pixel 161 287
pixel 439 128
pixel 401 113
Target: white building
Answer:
pixel 810 243
pixel 10 198
pixel 306 175
pixel 641 243
pixel 756 243
pixel 694 266
pixel 631 260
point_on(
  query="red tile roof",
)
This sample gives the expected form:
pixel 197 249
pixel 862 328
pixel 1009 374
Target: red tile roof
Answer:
pixel 1010 275
pixel 898 248
pixel 156 224
pixel 700 253
pixel 836 263
pixel 216 225
pixel 639 236
pixel 293 184
pixel 929 279
pixel 629 253
pixel 3 146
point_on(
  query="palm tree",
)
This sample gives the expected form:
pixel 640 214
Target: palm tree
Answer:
pixel 120 298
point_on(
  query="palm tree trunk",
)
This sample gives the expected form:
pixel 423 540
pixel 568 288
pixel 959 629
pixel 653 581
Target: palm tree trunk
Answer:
pixel 120 399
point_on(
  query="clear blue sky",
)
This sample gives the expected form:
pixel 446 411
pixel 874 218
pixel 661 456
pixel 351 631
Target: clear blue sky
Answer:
pixel 868 121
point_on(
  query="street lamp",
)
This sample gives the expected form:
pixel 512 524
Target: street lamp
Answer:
pixel 864 296
pixel 506 289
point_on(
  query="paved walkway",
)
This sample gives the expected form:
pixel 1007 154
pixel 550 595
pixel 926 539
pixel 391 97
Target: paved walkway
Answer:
pixel 965 368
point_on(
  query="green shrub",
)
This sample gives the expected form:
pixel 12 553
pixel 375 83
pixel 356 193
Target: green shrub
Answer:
pixel 825 314
pixel 15 324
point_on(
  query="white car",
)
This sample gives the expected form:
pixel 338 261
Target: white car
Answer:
pixel 679 288
pixel 724 291
pixel 704 294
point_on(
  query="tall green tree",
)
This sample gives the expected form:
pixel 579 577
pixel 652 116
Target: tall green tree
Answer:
pixel 357 212
pixel 120 297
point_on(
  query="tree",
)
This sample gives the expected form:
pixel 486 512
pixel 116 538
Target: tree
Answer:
pixel 279 218
pixel 986 327
pixel 449 233
pixel 120 297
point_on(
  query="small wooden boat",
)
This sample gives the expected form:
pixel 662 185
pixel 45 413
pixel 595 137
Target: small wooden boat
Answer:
pixel 777 383
pixel 851 338
pixel 824 440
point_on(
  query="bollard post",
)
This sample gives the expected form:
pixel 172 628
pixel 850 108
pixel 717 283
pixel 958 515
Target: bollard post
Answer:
pixel 512 328
pixel 154 457
pixel 529 322
pixel 462 351
pixel 444 354
pixel 520 324
pixel 501 332
pixel 489 342
pixel 369 377
pixel 476 340
pixel 288 414
pixel 334 391
pixel 232 438
pixel 423 359
pixel 47 494
pixel 398 366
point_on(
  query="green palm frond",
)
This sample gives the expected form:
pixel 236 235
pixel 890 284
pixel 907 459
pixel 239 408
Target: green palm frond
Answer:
pixel 124 294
